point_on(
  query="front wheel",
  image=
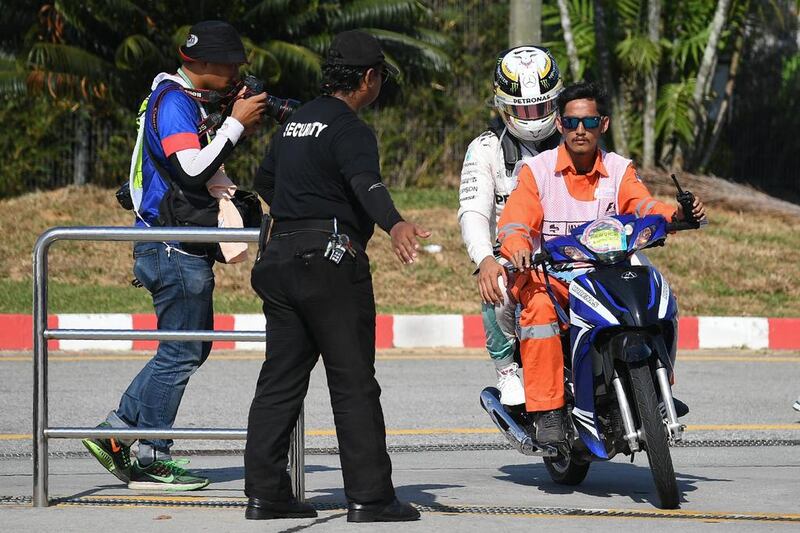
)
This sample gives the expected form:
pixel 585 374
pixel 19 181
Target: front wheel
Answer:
pixel 564 470
pixel 655 436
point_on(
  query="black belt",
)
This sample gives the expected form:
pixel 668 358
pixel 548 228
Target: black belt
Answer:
pixel 324 225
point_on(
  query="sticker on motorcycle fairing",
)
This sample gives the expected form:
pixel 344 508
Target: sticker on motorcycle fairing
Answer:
pixel 605 235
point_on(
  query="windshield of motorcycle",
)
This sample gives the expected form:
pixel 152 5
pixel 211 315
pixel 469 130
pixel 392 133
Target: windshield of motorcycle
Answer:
pixel 607 240
pixel 605 236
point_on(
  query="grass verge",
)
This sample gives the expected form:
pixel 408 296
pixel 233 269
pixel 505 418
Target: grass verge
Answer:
pixel 739 265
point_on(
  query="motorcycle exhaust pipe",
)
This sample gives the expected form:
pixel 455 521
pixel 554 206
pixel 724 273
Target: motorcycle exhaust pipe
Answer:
pixel 518 437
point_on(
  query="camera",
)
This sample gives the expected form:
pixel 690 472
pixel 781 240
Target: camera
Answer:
pixel 278 108
pixel 124 197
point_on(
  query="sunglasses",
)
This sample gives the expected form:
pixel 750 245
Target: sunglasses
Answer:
pixel 571 123
pixel 384 72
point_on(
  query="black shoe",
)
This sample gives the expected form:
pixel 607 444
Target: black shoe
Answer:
pixel 395 511
pixel 258 509
pixel 550 427
pixel 681 409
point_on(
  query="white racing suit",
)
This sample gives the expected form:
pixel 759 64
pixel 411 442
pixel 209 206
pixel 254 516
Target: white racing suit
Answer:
pixel 487 180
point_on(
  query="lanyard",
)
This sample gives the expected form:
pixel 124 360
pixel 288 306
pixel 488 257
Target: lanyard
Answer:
pixel 203 114
pixel 183 75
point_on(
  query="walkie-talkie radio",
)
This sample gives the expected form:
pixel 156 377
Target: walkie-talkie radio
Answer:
pixel 686 200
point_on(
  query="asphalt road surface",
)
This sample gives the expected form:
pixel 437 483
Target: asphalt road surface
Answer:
pixel 739 469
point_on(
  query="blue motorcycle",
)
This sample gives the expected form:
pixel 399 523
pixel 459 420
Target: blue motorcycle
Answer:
pixel 619 352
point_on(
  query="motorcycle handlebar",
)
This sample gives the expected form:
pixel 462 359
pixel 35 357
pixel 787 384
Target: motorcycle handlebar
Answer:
pixel 541 258
pixel 682 225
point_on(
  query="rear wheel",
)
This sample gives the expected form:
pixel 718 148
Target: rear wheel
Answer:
pixel 564 470
pixel 655 436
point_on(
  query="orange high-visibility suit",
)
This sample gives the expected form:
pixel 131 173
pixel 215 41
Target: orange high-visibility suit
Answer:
pixel 521 228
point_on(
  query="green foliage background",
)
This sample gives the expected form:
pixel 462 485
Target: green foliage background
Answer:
pixel 67 63
pixel 35 142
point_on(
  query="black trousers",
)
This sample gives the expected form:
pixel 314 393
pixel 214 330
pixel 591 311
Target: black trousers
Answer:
pixel 314 307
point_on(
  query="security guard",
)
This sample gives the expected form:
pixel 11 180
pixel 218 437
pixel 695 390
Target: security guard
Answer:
pixel 321 178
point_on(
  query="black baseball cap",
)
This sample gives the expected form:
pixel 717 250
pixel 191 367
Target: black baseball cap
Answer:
pixel 213 41
pixel 357 48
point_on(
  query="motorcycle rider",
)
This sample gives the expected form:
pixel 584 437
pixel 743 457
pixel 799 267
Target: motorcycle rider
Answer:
pixel 526 84
pixel 557 191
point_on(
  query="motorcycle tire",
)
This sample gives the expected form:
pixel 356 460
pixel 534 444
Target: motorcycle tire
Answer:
pixel 564 470
pixel 655 436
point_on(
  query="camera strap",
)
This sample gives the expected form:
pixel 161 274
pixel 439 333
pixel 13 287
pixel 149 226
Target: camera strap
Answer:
pixel 207 126
pixel 213 121
pixel 159 168
pixel 205 96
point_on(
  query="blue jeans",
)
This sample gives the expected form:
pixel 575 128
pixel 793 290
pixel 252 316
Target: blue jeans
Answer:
pixel 182 287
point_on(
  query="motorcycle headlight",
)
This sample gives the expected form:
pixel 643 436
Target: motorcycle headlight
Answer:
pixel 574 253
pixel 610 258
pixel 644 237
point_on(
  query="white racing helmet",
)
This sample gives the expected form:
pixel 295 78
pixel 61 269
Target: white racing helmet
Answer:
pixel 526 84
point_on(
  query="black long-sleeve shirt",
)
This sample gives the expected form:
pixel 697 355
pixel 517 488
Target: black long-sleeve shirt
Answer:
pixel 324 163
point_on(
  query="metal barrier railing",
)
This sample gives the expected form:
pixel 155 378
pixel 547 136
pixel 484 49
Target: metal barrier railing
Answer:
pixel 42 432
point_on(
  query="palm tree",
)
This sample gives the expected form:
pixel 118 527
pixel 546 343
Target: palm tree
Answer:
pixel 594 44
pixel 569 40
pixel 100 55
pixel 706 70
pixel 524 22
pixel 656 66
pixel 651 87
pixel 94 50
pixel 570 36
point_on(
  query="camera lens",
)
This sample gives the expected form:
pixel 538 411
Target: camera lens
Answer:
pixel 278 108
pixel 281 108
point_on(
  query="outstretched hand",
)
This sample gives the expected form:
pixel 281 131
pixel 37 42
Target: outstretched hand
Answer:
pixel 405 243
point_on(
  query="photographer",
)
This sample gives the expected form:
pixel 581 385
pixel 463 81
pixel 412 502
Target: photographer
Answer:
pixel 321 178
pixel 174 162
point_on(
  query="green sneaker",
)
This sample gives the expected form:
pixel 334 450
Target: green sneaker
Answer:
pixel 112 454
pixel 165 475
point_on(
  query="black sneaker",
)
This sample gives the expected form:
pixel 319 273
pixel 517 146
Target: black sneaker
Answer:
pixel 165 475
pixel 112 454
pixel 550 427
